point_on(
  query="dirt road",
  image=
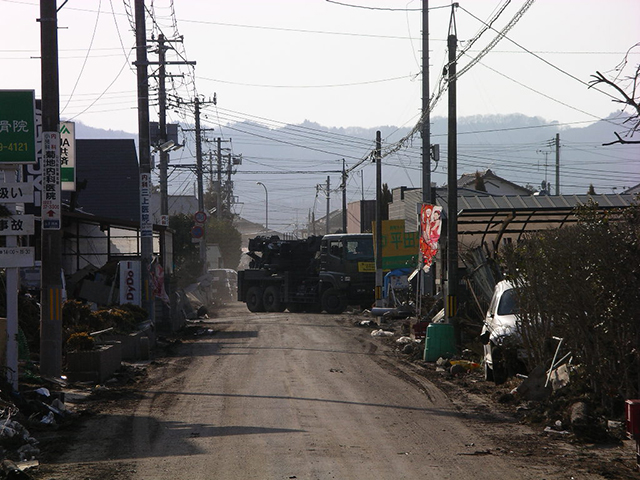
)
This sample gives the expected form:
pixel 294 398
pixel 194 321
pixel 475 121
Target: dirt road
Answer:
pixel 299 396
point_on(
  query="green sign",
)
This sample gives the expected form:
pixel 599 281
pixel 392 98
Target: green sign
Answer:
pixel 17 126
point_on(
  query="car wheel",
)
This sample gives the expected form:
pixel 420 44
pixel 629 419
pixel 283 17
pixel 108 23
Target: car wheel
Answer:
pixel 254 299
pixel 333 301
pixel 498 366
pixel 271 299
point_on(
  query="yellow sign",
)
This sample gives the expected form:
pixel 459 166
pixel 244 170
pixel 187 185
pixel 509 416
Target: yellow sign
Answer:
pixel 399 248
pixel 366 267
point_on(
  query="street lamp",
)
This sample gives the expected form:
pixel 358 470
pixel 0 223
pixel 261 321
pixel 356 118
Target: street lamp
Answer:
pixel 266 211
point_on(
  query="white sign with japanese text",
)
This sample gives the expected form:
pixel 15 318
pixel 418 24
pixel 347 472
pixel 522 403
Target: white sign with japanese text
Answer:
pixel 16 193
pixel 146 222
pixel 17 257
pixel 68 156
pixel 51 201
pixel 17 225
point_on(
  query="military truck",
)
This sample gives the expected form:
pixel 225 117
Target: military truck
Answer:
pixel 319 273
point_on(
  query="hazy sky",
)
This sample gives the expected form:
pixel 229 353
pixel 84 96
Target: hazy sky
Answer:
pixel 337 65
pixel 330 62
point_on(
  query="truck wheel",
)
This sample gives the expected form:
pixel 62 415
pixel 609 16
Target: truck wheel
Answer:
pixel 333 301
pixel 254 299
pixel 271 299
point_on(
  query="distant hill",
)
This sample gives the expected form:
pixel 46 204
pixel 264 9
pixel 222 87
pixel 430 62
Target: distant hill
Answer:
pixel 294 159
pixel 86 132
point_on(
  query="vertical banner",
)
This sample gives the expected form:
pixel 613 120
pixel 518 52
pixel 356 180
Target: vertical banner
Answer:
pixel 430 226
pixel 68 156
pixel 51 208
pixel 146 222
pixel 130 282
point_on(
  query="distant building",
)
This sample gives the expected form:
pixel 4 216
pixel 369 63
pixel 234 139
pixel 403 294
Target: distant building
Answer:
pixel 178 205
pixel 360 216
pixel 107 179
pixel 493 184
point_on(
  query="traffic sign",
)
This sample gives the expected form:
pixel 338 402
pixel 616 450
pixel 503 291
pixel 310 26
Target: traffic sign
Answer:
pixel 197 232
pixel 200 217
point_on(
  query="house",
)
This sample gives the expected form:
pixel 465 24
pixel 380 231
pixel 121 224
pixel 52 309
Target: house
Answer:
pixel 493 184
pixel 107 179
pixel 178 205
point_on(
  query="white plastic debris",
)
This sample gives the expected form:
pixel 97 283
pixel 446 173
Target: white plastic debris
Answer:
pixel 43 391
pixel 48 419
pixel 404 340
pixel 381 333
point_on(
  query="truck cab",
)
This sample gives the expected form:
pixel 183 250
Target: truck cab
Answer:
pixel 347 270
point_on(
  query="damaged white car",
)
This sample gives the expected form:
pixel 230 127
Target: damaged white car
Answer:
pixel 503 354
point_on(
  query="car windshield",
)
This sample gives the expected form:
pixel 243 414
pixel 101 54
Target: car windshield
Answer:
pixel 359 249
pixel 508 304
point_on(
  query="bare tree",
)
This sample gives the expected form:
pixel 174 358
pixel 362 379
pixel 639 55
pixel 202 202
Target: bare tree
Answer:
pixel 629 97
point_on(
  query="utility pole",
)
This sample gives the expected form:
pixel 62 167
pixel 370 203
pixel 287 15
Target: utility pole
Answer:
pixel 219 185
pixel 379 279
pixel 162 114
pixel 452 181
pixel 557 164
pixel 203 239
pixel 199 169
pixel 51 254
pixel 427 278
pixel 328 204
pixel 144 153
pixel 229 185
pixel 162 121
pixel 344 197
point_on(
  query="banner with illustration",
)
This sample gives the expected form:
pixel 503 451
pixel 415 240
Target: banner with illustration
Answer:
pixel 430 226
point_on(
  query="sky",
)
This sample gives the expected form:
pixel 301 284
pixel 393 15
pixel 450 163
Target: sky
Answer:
pixel 338 64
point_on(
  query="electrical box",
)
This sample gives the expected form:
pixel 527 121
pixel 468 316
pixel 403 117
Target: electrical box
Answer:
pixel 632 415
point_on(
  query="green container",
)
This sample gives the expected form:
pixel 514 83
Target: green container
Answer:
pixel 440 342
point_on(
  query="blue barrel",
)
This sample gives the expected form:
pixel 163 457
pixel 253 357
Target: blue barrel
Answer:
pixel 440 342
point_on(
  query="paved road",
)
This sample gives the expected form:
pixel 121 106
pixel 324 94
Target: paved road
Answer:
pixel 291 396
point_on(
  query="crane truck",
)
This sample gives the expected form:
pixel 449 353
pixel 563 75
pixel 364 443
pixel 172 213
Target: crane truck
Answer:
pixel 319 273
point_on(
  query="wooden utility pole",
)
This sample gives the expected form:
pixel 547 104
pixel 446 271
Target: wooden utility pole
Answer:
pixel 51 254
pixel 144 154
pixel 203 239
pixel 344 197
pixel 428 277
pixel 557 164
pixel 219 185
pixel 162 123
pixel 328 204
pixel 379 278
pixel 452 186
pixel 426 127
